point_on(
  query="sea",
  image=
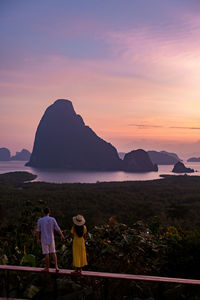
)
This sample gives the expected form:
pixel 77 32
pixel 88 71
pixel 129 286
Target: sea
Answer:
pixel 62 176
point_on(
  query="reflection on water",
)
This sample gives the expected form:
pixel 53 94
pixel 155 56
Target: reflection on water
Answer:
pixel 61 176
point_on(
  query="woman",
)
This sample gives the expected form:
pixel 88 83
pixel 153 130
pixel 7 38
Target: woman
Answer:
pixel 78 232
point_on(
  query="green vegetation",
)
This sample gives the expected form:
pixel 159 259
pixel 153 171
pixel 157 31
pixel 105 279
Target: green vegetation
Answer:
pixel 149 228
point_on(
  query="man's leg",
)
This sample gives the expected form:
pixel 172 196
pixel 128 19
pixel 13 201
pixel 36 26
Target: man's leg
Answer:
pixel 47 261
pixel 55 260
pixel 45 251
pixel 53 252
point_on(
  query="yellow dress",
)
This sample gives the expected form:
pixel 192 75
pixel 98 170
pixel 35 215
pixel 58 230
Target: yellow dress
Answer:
pixel 79 252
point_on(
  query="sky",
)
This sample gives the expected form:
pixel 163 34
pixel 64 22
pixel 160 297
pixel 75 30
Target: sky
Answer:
pixel 130 67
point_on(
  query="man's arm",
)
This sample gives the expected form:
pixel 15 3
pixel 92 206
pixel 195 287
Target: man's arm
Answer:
pixel 57 228
pixel 61 235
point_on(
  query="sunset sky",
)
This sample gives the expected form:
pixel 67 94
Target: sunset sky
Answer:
pixel 131 69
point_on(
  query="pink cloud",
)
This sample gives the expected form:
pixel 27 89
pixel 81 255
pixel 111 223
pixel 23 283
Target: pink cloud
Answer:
pixel 159 54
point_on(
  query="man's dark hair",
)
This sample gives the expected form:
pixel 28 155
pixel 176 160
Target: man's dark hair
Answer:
pixel 46 210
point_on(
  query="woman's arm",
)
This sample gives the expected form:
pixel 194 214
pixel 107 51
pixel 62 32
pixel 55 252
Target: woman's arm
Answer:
pixel 84 232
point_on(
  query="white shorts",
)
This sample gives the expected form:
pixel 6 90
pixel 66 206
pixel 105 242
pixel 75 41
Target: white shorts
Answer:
pixel 48 248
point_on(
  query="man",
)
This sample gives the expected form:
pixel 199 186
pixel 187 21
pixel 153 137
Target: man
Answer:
pixel 45 227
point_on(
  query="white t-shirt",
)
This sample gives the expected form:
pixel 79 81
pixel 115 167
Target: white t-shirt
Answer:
pixel 46 227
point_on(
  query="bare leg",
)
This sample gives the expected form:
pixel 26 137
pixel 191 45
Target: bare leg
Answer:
pixel 47 263
pixel 55 261
pixel 77 271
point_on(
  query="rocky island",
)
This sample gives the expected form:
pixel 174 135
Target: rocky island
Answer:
pixel 63 140
pixel 179 167
pixel 23 155
pixel 138 161
pixel 4 154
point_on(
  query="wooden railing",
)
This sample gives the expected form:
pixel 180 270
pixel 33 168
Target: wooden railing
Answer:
pixel 103 275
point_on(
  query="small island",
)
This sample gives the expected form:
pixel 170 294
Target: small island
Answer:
pixel 5 155
pixel 179 167
pixel 17 177
pixel 138 161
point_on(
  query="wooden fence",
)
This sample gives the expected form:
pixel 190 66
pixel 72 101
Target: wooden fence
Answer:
pixel 103 275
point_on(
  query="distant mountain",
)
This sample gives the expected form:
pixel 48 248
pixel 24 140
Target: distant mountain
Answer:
pixel 159 158
pixel 138 161
pixel 172 154
pixel 179 167
pixel 63 140
pixel 4 154
pixel 194 159
pixel 163 158
pixel 23 155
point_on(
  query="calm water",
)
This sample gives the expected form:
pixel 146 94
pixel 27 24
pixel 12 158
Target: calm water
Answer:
pixel 88 177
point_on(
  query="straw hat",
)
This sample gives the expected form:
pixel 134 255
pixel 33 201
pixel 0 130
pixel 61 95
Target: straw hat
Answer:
pixel 79 220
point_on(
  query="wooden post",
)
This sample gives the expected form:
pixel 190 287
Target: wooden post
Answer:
pixel 55 290
pixel 106 289
pixel 7 283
